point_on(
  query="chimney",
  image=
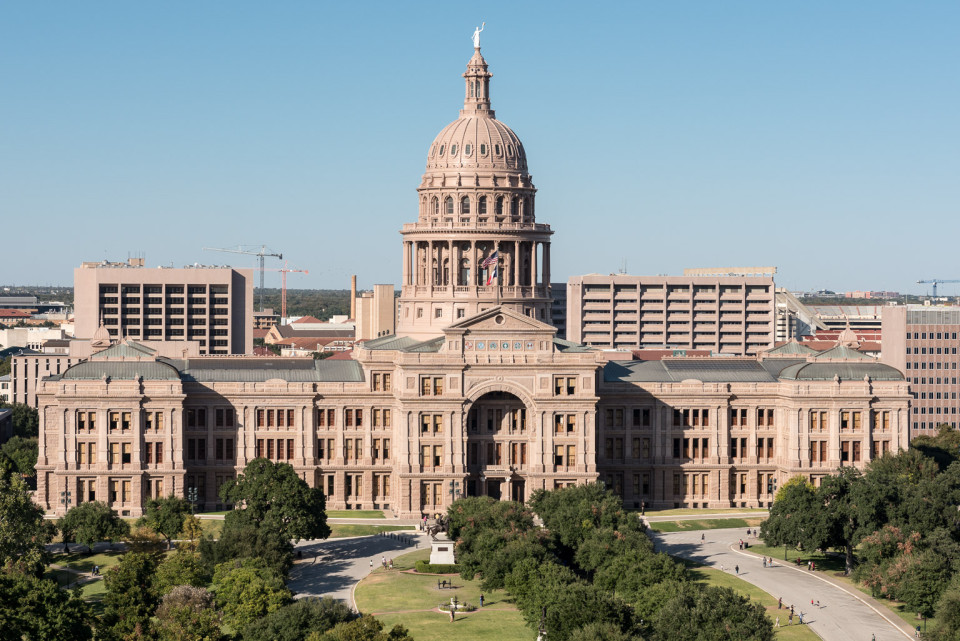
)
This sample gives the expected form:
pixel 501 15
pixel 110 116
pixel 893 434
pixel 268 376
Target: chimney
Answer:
pixel 353 297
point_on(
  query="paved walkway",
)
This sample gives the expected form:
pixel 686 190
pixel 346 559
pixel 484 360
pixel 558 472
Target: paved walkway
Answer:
pixel 845 614
pixel 334 567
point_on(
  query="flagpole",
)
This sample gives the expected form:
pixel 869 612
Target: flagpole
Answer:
pixel 497 267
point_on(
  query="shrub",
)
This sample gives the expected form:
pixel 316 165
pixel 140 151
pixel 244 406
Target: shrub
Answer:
pixel 425 567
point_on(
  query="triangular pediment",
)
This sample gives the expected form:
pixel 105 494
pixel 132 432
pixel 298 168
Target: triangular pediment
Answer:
pixel 500 319
pixel 125 350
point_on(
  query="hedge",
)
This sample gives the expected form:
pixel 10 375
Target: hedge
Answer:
pixel 425 567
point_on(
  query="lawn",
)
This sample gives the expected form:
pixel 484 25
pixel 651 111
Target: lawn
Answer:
pixel 408 599
pixel 693 511
pixel 717 578
pixel 706 524
pixel 85 562
pixel 355 514
pixel 341 530
pixel 212 527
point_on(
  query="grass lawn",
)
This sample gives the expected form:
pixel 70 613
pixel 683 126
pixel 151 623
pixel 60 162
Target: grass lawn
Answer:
pixel 785 632
pixel 85 562
pixel 93 591
pixel 355 514
pixel 706 524
pixel 408 599
pixel 220 513
pixel 212 527
pixel 340 530
pixel 692 511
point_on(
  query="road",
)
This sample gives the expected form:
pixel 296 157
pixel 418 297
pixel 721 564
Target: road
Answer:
pixel 843 615
pixel 332 568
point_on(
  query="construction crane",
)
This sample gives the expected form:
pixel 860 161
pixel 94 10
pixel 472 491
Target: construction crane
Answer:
pixel 935 282
pixel 283 287
pixel 263 253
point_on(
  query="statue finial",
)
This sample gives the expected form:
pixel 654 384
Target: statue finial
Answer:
pixel 476 35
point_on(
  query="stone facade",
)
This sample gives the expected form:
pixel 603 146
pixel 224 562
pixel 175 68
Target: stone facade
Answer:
pixel 474 395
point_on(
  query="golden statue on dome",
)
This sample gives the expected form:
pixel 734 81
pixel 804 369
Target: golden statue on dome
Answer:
pixel 476 35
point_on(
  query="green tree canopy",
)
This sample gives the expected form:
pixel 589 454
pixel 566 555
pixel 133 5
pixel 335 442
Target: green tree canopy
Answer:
pixel 272 496
pixel 294 622
pixel 247 590
pixel 365 628
pixel 711 614
pixel 793 515
pixel 32 608
pixel 23 453
pixel 183 567
pixel 131 598
pixel 188 613
pixel 25 419
pixel 92 522
pixel 23 532
pixel 166 516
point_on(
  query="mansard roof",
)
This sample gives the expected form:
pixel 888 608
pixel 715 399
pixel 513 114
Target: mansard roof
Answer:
pixel 258 370
pixel 121 370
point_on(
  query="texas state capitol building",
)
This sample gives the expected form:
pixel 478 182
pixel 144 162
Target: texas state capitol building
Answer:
pixel 474 395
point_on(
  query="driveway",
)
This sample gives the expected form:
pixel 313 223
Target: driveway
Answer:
pixel 842 616
pixel 332 568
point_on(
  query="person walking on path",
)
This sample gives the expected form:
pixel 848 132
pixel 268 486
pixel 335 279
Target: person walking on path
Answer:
pixel 736 569
pixel 451 615
pixel 779 602
pixel 703 537
pixel 371 564
pixel 801 618
pixel 777 624
pixel 481 600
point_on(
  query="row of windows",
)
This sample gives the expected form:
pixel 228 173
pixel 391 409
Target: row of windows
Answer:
pixel 939 350
pixel 933 336
pixel 935 381
pixel 467 148
pixel 925 410
pixel 501 206
pixel 923 365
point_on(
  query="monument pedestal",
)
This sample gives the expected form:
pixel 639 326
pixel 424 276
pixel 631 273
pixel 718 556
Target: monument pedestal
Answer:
pixel 441 550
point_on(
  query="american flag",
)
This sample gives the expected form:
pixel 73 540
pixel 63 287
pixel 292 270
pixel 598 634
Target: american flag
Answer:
pixel 491 259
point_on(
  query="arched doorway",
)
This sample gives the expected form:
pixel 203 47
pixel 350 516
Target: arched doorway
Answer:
pixel 498 447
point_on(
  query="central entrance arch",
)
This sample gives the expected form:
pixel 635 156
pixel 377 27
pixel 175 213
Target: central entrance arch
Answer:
pixel 498 446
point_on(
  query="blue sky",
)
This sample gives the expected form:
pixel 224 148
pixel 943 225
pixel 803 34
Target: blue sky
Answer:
pixel 821 137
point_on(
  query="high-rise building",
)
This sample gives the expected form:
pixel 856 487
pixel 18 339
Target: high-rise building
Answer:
pixel 730 315
pixel 921 341
pixel 212 306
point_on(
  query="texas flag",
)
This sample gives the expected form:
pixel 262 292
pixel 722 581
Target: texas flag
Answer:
pixel 494 260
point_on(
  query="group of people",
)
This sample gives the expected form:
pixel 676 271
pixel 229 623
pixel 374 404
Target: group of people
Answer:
pixel 790 616
pixel 384 562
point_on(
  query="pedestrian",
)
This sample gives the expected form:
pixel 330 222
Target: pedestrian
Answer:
pixel 721 567
pixel 790 618
pixel 383 561
pixel 791 609
pixel 813 565
pixel 481 600
pixel 451 615
pixel 764 561
pixel 391 564
pixel 371 564
pixel 779 602
pixel 801 618
pixel 703 537
pixel 777 624
pixel 643 507
pixel 818 604
pixel 873 637
pixel 736 569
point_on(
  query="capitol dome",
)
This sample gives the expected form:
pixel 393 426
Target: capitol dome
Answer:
pixel 477 140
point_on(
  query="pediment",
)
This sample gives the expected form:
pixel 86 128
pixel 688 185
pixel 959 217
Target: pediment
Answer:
pixel 500 320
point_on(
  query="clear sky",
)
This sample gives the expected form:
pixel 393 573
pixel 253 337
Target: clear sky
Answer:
pixel 822 137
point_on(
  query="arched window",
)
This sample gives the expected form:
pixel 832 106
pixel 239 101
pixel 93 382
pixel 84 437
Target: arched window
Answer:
pixel 464 205
pixel 499 208
pixel 448 206
pixel 482 206
pixel 514 207
pixel 436 206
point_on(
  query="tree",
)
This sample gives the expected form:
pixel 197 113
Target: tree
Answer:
pixel 571 514
pixel 241 538
pixel 5 365
pixel 792 515
pixel 188 614
pixel 944 448
pixel 23 453
pixel 25 419
pixel 166 516
pixel 948 614
pixel 192 532
pixel 294 622
pixel 365 628
pixel 602 631
pixel 183 567
pixel 23 533
pixel 711 614
pixel 131 598
pixel 274 497
pixel 92 522
pixel 248 590
pixel 33 608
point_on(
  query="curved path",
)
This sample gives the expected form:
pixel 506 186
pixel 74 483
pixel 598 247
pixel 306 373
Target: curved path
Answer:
pixel 334 567
pixel 845 614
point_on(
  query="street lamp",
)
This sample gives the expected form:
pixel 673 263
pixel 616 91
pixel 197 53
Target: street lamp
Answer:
pixel 65 499
pixel 192 497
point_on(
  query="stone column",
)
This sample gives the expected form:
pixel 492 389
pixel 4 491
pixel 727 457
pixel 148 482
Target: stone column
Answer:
pixel 431 258
pixel 546 265
pixel 516 263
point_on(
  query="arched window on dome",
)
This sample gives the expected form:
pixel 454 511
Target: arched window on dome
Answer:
pixel 482 206
pixel 514 208
pixel 498 207
pixel 436 206
pixel 448 206
pixel 464 206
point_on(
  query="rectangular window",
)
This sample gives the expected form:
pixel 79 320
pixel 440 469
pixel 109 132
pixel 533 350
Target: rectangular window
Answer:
pixel 159 450
pixel 260 418
pixel 218 448
pixel 114 453
pixel 348 418
pixel 359 418
pixel 845 451
pixel 289 449
pixel 202 449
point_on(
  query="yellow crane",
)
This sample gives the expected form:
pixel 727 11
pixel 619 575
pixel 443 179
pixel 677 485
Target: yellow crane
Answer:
pixel 263 253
